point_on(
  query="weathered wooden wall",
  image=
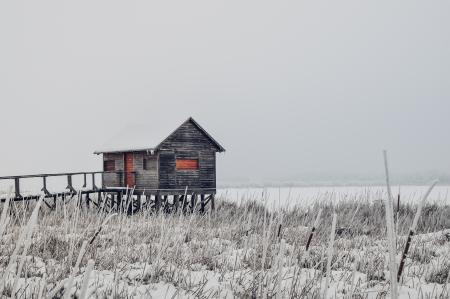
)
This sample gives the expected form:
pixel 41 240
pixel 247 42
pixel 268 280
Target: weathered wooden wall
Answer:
pixel 167 172
pixel 113 179
pixel 146 178
pixel 188 142
pixel 188 137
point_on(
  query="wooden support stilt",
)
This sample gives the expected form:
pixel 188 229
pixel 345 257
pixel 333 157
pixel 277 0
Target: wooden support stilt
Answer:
pixel 119 202
pixel 183 200
pixel 157 202
pixel 105 200
pixel 193 201
pixel 99 201
pixel 139 203
pixel 202 203
pixel 176 202
pixel 213 204
pixel 87 200
pixel 165 204
pixel 47 204
pixel 147 201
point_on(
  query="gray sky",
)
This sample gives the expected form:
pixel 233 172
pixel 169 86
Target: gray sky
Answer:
pixel 288 87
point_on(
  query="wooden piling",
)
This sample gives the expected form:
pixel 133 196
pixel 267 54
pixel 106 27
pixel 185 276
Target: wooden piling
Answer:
pixel 176 202
pixel 213 205
pixel 157 202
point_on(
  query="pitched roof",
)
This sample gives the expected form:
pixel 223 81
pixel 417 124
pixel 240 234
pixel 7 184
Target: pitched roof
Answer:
pixel 138 138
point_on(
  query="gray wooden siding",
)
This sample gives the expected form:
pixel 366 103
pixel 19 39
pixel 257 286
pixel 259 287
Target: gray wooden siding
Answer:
pixel 112 179
pixel 167 174
pixel 188 137
pixel 204 177
pixel 146 178
pixel 207 164
pixel 188 142
pixel 190 178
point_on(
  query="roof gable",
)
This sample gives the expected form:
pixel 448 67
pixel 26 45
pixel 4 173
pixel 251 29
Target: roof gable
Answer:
pixel 139 138
pixel 190 132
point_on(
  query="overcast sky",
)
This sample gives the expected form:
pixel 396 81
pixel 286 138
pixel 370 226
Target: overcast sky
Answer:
pixel 287 87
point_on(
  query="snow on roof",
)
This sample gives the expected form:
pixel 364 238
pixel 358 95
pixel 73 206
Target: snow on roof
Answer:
pixel 134 138
pixel 143 138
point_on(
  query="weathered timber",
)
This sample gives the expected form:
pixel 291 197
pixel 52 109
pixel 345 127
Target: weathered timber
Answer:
pixel 155 167
pixel 159 176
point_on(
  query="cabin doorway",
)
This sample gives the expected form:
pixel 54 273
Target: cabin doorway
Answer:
pixel 129 168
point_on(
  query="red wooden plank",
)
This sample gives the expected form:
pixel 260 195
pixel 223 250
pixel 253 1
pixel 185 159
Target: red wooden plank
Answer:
pixel 187 164
pixel 129 168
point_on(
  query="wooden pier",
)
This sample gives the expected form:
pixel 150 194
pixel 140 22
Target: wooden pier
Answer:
pixel 174 172
pixel 114 199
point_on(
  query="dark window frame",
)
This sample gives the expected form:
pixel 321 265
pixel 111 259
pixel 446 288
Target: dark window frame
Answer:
pixel 107 165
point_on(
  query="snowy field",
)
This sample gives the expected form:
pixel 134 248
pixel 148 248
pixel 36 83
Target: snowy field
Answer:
pixel 285 197
pixel 242 250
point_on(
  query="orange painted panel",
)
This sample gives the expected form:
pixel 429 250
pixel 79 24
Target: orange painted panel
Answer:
pixel 187 164
pixel 129 167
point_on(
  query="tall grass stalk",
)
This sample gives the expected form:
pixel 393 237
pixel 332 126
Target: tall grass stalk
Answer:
pixel 280 260
pixel 390 232
pixel 25 234
pixel 353 279
pixel 29 233
pixel 313 229
pixel 330 255
pixel 4 218
pixel 68 285
pixel 412 230
pixel 42 286
pixel 99 229
pixel 87 274
pixel 266 242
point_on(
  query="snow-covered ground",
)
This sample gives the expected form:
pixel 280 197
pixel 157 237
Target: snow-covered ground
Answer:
pixel 239 251
pixel 304 196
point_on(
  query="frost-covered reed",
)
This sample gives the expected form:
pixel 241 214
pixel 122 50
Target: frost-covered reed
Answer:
pixel 235 251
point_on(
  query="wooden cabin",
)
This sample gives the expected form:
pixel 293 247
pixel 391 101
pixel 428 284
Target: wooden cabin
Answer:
pixel 185 158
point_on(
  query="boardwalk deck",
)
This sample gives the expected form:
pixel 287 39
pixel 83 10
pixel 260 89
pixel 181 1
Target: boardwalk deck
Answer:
pixel 117 199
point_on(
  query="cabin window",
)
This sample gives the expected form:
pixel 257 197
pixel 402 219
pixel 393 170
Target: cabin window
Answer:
pixel 147 164
pixel 109 165
pixel 187 164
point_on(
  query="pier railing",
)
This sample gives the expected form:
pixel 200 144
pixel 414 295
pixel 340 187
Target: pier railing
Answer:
pixel 112 198
pixel 69 175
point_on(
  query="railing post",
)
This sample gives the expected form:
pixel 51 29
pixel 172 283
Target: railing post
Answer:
pixel 84 177
pixel 69 184
pixel 17 187
pixel 93 182
pixel 44 188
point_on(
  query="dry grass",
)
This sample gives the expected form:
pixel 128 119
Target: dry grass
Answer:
pixel 222 254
